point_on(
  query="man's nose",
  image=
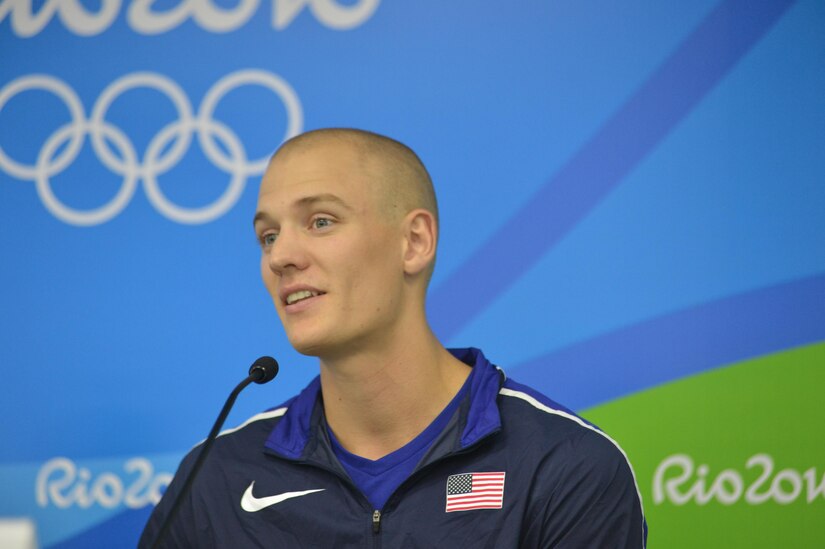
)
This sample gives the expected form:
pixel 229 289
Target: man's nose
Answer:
pixel 288 252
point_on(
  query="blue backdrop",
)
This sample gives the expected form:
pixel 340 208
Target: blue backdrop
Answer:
pixel 614 180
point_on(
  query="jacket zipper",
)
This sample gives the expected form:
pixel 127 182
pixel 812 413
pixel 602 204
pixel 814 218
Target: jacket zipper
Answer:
pixel 376 521
pixel 376 514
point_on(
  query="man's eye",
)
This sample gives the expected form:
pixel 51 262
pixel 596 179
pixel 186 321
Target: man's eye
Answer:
pixel 269 239
pixel 321 223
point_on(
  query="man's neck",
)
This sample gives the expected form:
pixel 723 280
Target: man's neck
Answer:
pixel 378 401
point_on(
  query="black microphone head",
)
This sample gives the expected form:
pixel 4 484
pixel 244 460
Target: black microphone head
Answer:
pixel 264 369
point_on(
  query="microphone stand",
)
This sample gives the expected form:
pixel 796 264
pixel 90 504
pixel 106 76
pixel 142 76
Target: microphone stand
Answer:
pixel 259 373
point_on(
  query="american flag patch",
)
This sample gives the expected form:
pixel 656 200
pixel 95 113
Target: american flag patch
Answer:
pixel 469 491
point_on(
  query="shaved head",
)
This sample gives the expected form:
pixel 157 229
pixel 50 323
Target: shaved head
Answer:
pixel 398 176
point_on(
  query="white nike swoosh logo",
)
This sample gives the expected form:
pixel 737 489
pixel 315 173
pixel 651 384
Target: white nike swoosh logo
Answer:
pixel 252 504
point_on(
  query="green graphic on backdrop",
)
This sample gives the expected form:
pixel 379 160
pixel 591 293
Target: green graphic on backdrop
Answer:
pixel 730 458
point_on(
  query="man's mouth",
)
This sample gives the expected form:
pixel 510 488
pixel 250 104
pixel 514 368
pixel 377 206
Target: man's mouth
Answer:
pixel 295 297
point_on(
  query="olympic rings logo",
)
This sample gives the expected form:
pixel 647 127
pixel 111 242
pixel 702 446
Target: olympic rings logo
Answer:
pixel 163 152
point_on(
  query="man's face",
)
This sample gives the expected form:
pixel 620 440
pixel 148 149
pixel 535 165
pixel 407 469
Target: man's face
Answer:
pixel 331 260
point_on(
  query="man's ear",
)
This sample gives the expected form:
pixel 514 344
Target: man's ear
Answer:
pixel 420 237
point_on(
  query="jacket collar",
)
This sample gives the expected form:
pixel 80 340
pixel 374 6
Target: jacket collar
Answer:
pixel 299 432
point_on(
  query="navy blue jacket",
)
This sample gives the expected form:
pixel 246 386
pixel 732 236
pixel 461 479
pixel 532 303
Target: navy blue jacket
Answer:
pixel 566 484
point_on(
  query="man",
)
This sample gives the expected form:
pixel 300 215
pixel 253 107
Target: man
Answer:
pixel 399 442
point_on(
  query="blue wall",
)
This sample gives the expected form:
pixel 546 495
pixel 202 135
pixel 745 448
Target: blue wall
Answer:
pixel 612 178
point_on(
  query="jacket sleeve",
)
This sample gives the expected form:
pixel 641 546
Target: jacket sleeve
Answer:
pixel 181 533
pixel 589 498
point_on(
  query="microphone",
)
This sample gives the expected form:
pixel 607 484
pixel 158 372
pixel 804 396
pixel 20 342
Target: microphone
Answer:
pixel 262 371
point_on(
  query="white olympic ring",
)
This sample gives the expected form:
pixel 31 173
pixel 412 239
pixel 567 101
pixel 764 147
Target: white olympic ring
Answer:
pixel 164 151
